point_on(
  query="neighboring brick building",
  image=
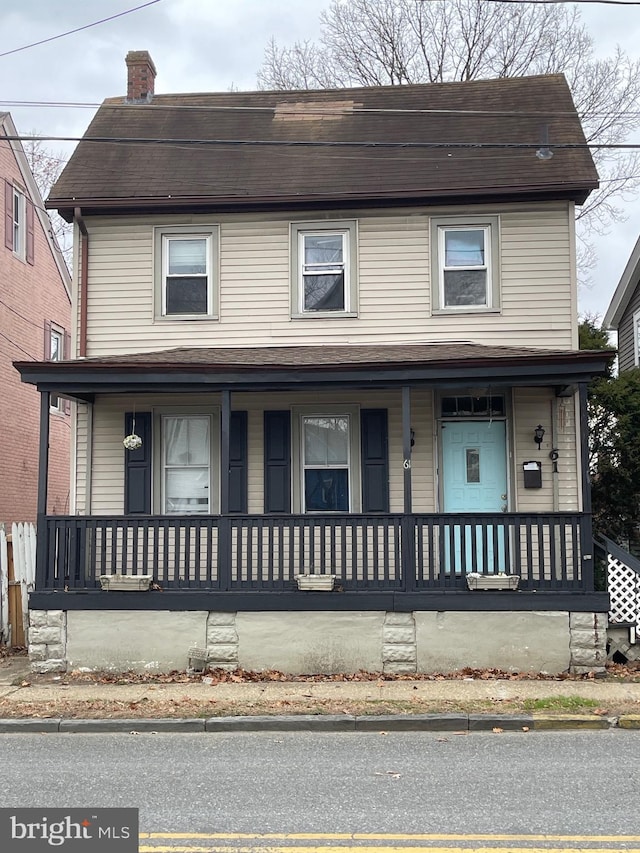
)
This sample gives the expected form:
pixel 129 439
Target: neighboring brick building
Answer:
pixel 34 323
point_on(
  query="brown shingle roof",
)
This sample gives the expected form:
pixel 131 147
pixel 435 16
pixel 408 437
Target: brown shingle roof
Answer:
pixel 330 356
pixel 228 167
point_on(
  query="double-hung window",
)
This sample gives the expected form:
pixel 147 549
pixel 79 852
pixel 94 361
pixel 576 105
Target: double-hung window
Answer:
pixel 323 269
pixel 19 223
pixel 186 270
pixel 326 463
pixel 465 264
pixel 56 353
pixel 186 463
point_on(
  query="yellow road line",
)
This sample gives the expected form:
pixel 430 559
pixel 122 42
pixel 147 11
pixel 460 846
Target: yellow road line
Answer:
pixel 384 836
pixel 368 849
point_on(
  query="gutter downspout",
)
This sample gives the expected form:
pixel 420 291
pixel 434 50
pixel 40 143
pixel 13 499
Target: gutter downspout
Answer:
pixel 82 281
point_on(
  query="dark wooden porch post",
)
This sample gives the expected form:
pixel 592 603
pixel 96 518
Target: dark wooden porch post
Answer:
pixel 43 477
pixel 408 544
pixel 224 522
pixel 586 524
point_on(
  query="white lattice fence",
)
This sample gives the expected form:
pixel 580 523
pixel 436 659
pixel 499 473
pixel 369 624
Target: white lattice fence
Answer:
pixel 624 592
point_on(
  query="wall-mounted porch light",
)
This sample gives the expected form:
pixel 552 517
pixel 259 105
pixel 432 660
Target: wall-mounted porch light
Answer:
pixel 538 435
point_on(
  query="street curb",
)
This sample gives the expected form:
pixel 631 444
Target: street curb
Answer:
pixel 558 722
pixel 504 722
pixel 293 723
pixel 325 723
pixel 413 723
pixel 132 726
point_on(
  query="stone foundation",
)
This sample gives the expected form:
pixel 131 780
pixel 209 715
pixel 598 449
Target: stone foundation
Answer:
pixel 48 640
pixel 587 642
pixel 319 641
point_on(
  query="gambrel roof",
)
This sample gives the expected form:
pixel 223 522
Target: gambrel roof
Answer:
pixel 391 144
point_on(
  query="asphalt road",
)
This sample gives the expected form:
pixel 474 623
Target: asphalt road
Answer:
pixel 509 784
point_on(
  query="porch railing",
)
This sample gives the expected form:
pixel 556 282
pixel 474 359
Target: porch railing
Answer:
pixel 366 552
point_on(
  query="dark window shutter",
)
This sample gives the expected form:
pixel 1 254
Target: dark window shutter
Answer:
pixel 277 462
pixel 375 460
pixel 238 463
pixel 137 466
pixel 30 253
pixel 47 341
pixel 8 215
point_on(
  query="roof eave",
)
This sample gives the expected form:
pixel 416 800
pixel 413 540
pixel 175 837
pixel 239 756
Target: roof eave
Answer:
pixel 577 192
pixel 87 377
pixel 624 291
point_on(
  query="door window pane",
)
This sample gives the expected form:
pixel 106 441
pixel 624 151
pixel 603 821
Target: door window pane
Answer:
pixel 473 465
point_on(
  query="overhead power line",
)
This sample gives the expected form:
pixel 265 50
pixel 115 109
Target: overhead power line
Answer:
pixel 317 110
pixel 78 29
pixel 297 143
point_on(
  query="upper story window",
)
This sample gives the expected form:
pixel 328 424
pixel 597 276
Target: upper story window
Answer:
pixel 465 263
pixel 19 223
pixel 186 286
pixel 324 269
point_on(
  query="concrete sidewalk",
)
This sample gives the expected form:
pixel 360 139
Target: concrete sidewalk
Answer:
pixel 15 671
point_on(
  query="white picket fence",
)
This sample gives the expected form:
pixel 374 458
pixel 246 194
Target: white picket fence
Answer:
pixel 23 541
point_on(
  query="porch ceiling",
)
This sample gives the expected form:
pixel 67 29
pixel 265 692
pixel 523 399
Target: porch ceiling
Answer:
pixel 193 369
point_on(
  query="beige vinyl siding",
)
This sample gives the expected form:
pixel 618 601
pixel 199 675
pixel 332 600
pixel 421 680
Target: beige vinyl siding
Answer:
pixel 81 459
pixel 394 297
pixel 533 406
pixel 107 482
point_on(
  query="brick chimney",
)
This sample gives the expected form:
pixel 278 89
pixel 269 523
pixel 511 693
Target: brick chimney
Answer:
pixel 141 75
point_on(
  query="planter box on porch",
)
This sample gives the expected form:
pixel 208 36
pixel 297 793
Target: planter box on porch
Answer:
pixel 131 583
pixel 498 581
pixel 317 582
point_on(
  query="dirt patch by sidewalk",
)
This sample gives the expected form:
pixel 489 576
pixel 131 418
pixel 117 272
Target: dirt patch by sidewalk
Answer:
pixel 191 707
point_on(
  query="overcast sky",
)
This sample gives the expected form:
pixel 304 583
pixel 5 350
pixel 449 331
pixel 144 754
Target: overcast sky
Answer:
pixel 212 45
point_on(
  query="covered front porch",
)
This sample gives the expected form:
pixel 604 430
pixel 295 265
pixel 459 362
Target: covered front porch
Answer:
pixel 386 553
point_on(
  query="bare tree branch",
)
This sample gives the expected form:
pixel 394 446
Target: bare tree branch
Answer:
pixel 46 167
pixel 394 42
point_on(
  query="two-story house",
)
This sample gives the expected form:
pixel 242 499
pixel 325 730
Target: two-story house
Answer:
pixel 35 314
pixel 325 333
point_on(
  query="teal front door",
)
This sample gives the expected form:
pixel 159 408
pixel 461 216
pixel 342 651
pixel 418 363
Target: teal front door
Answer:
pixel 474 479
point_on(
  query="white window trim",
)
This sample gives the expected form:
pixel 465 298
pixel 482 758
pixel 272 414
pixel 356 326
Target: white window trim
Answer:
pixel 57 332
pixel 491 227
pixel 157 468
pixel 161 237
pixel 636 336
pixel 19 224
pixel 355 476
pixel 349 232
